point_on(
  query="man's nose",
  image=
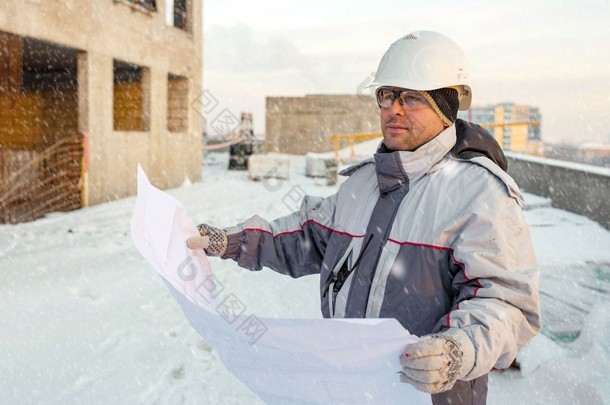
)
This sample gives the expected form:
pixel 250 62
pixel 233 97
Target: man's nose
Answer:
pixel 396 108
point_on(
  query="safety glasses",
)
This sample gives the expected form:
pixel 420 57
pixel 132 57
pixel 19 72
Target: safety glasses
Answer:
pixel 410 99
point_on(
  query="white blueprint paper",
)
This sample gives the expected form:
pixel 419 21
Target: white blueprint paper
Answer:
pixel 283 361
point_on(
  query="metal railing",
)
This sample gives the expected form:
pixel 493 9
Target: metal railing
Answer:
pixel 351 139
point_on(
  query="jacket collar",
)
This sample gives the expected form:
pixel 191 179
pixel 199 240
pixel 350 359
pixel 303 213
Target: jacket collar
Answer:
pixel 397 168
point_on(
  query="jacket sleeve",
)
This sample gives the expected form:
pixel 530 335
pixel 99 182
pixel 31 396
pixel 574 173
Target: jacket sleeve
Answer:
pixel 293 245
pixel 496 310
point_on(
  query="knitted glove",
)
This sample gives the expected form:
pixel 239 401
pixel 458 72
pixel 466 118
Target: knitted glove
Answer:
pixel 437 361
pixel 213 240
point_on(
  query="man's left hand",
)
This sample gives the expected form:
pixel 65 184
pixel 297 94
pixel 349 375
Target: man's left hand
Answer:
pixel 437 361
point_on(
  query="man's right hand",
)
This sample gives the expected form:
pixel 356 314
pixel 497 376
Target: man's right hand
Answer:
pixel 213 240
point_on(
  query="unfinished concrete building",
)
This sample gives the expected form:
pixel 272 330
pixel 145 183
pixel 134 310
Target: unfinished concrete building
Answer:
pixel 298 125
pixel 87 90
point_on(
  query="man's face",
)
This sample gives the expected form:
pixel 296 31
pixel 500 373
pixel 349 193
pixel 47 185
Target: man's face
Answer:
pixel 410 125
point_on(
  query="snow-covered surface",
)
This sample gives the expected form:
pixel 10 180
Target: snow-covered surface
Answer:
pixel 86 320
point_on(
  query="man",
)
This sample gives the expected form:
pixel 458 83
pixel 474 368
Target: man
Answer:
pixel 429 231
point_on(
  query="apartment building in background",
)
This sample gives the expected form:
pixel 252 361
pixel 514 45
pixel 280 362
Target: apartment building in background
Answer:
pixel 515 127
pixel 89 89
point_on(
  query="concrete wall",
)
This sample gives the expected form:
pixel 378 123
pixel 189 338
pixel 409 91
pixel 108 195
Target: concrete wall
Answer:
pixel 574 187
pixel 105 30
pixel 299 125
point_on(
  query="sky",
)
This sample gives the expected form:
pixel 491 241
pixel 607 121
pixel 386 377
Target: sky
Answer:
pixel 551 54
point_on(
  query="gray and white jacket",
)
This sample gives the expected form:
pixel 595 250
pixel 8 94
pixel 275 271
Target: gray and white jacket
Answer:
pixel 432 239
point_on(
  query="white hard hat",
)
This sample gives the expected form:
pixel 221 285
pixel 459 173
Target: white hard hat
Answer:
pixel 425 60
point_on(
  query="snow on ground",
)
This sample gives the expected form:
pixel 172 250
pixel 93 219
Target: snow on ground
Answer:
pixel 86 320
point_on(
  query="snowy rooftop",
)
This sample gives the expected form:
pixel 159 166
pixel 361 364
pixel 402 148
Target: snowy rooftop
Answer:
pixel 86 320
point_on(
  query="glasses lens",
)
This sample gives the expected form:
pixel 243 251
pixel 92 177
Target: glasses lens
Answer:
pixel 385 98
pixel 413 100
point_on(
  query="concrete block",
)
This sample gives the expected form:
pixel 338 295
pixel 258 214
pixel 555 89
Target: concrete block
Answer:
pixel 321 165
pixel 268 166
pixel 316 164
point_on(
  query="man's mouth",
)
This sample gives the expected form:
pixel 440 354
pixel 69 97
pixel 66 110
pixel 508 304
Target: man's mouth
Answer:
pixel 396 127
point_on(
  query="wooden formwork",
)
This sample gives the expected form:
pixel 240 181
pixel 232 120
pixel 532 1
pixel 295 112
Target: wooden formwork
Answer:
pixel 34 183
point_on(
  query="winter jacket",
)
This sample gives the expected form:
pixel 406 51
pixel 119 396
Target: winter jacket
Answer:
pixel 434 238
